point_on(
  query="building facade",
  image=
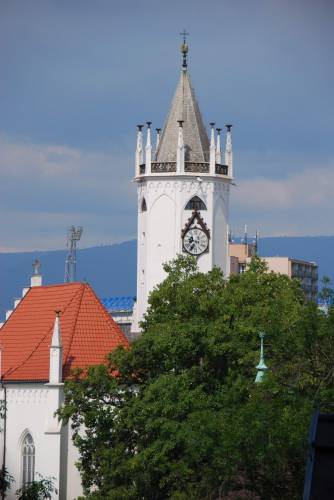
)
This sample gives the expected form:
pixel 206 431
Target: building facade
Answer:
pixel 306 272
pixel 121 310
pixel 51 330
pixel 183 187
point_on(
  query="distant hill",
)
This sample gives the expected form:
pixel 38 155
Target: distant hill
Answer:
pixel 111 270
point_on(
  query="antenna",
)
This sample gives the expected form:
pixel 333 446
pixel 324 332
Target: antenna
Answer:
pixel 73 236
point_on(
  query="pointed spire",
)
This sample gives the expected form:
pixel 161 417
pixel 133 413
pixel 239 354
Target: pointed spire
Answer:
pixel 261 367
pixel 148 149
pixel 184 107
pixel 56 357
pixel 212 149
pixel 228 150
pixel 139 149
pixel 218 147
pixel 180 149
pixel 158 130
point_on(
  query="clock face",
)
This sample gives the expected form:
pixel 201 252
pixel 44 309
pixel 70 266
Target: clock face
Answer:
pixel 195 241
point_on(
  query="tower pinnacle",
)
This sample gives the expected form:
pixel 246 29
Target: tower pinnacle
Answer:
pixel 261 367
pixel 184 49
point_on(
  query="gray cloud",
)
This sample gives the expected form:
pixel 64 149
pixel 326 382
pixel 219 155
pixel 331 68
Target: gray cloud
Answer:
pixel 76 77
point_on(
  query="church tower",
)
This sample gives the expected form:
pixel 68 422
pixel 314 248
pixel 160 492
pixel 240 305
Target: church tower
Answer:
pixel 183 192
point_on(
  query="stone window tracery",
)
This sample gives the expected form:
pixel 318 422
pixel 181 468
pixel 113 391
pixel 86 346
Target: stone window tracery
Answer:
pixel 28 459
pixel 195 204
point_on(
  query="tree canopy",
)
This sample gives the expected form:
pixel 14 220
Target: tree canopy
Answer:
pixel 178 416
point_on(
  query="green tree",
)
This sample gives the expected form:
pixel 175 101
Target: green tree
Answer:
pixel 327 293
pixel 40 489
pixel 178 416
pixel 6 480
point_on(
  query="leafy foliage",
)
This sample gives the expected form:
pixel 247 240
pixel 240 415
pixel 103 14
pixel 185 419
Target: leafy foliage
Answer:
pixel 6 481
pixel 179 416
pixel 40 489
pixel 327 293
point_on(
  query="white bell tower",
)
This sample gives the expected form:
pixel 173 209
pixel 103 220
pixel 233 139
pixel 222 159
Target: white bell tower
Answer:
pixel 183 193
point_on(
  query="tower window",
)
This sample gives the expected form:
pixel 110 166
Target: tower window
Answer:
pixel 28 459
pixel 143 206
pixel 195 204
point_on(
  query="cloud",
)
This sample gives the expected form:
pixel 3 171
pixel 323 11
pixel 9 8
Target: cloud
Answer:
pixel 310 189
pixel 52 178
pixel 298 204
pixel 46 188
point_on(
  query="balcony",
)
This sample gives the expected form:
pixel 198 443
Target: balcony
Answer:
pixel 189 167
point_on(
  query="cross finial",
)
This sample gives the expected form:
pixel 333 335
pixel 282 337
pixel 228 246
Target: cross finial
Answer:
pixel 36 266
pixel 184 48
pixel 184 34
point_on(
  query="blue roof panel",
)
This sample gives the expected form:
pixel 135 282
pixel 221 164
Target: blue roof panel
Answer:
pixel 119 303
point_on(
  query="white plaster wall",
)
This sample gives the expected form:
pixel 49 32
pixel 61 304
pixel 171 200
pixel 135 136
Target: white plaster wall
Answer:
pixel 74 488
pixel 30 407
pixel 160 237
pixel 159 228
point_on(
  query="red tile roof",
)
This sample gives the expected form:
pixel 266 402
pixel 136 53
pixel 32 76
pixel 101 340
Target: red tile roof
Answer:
pixel 88 332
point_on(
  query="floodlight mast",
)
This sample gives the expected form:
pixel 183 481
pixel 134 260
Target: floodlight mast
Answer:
pixel 73 236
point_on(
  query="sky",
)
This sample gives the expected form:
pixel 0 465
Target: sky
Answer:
pixel 77 76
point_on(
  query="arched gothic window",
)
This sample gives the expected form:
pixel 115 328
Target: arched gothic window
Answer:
pixel 143 205
pixel 195 204
pixel 28 459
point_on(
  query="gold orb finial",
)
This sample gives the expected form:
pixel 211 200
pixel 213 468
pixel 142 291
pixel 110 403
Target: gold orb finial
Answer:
pixel 184 48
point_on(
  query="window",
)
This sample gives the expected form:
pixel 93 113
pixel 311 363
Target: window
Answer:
pixel 143 205
pixel 195 204
pixel 28 459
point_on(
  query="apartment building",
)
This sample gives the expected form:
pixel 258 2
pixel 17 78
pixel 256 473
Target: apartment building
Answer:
pixel 306 272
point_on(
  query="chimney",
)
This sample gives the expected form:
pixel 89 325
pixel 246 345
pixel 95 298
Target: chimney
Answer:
pixel 36 278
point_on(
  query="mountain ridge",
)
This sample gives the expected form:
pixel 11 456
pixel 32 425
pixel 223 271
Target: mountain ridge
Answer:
pixel 111 269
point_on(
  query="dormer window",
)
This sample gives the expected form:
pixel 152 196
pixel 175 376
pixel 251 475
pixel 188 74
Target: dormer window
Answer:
pixel 195 204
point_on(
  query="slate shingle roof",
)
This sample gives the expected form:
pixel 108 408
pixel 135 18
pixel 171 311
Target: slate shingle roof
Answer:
pixel 88 332
pixel 184 107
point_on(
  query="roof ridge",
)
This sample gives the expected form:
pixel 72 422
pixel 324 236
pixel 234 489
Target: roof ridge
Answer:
pixel 197 111
pixel 54 285
pixel 75 322
pixel 107 315
pixel 9 371
pixel 14 310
